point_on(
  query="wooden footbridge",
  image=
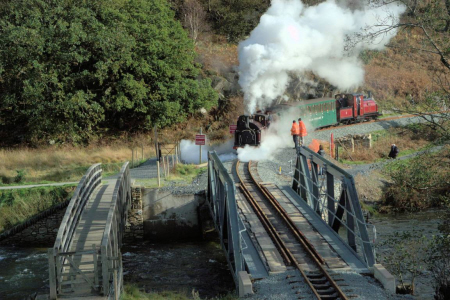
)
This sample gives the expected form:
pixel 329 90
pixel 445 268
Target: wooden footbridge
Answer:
pixel 86 260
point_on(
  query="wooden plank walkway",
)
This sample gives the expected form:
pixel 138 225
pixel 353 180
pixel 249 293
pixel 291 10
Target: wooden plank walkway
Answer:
pixel 89 232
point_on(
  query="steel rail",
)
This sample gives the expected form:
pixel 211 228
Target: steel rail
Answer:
pixel 313 254
pixel 294 229
pixel 264 220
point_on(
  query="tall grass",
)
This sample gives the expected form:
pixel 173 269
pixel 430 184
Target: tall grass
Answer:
pixel 63 163
pixel 406 140
pixel 18 205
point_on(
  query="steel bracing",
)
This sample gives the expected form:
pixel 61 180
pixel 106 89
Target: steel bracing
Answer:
pixel 331 193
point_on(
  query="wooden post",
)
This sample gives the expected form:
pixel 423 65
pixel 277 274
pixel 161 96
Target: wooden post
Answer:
pixel 116 286
pixel 176 152
pixel 96 281
pixel 105 271
pixel 142 152
pixel 168 166
pixel 52 273
pixel 332 146
pixel 164 167
pixel 132 157
pixel 200 162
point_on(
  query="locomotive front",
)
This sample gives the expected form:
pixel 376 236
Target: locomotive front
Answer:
pixel 248 130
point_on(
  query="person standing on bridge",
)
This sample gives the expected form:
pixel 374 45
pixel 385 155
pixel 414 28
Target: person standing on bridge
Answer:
pixel 302 131
pixel 295 132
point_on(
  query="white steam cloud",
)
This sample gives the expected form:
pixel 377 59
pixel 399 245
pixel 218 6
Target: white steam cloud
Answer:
pixel 190 153
pixel 292 38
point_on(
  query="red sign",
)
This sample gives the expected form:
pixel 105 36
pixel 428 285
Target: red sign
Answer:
pixel 200 139
pixel 233 128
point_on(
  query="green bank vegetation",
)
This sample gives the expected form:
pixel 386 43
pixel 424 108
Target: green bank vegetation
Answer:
pixel 132 292
pixel 18 205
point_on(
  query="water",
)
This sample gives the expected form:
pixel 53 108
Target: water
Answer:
pixel 425 223
pixel 179 267
pixel 23 271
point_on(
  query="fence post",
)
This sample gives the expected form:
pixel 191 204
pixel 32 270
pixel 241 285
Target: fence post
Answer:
pixel 132 157
pixel 105 272
pixel 52 273
pixel 96 281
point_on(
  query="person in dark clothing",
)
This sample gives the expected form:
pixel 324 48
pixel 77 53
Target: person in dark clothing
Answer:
pixel 321 152
pixel 394 151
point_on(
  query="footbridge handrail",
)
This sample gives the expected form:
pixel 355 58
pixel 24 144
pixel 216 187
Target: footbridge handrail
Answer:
pixel 88 183
pixel 222 203
pixel 111 257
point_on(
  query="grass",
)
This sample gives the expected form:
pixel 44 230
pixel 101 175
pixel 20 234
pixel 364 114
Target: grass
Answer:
pixel 181 175
pixel 18 205
pixel 406 140
pixel 132 292
pixel 62 164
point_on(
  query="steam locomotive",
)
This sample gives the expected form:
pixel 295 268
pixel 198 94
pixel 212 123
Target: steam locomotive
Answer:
pixel 320 113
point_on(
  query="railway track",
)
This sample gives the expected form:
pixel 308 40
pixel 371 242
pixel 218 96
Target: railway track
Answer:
pixel 291 243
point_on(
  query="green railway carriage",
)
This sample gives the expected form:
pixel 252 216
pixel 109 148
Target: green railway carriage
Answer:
pixel 318 113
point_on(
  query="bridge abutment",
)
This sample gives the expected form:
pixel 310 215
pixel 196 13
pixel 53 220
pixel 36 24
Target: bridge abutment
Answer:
pixel 169 216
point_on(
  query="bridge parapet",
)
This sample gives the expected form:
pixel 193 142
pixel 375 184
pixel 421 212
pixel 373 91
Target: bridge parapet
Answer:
pixel 330 191
pixel 222 203
pixel 88 183
pixel 111 257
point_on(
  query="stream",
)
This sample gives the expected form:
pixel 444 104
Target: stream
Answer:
pixel 199 266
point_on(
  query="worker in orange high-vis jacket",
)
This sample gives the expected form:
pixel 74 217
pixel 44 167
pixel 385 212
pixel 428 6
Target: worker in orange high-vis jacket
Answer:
pixel 301 131
pixel 295 133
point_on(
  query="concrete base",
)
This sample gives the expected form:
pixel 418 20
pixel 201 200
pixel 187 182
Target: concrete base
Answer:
pixel 386 278
pixel 171 217
pixel 245 284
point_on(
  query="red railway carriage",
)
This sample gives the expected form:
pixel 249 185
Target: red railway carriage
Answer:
pixel 352 108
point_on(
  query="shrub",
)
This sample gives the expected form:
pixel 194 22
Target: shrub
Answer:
pixel 20 176
pixel 417 183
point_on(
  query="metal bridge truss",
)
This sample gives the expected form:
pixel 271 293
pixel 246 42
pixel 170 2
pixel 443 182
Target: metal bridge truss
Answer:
pixel 222 203
pixel 331 193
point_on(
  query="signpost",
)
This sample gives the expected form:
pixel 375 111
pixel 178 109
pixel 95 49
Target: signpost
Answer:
pixel 233 128
pixel 200 139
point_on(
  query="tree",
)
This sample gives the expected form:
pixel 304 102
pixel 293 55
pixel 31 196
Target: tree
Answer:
pixel 235 18
pixel 194 18
pixel 69 70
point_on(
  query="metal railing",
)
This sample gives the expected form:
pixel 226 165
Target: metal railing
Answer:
pixel 58 255
pixel 222 203
pixel 111 257
pixel 331 193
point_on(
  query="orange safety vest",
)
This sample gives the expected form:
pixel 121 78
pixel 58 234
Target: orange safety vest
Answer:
pixel 302 129
pixel 294 129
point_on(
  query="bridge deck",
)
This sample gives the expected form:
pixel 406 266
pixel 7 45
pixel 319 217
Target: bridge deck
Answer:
pixel 89 232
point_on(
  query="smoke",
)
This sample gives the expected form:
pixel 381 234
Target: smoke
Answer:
pixel 292 38
pixel 190 153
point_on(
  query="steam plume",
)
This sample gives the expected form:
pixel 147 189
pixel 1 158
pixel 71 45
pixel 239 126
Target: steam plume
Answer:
pixel 292 38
